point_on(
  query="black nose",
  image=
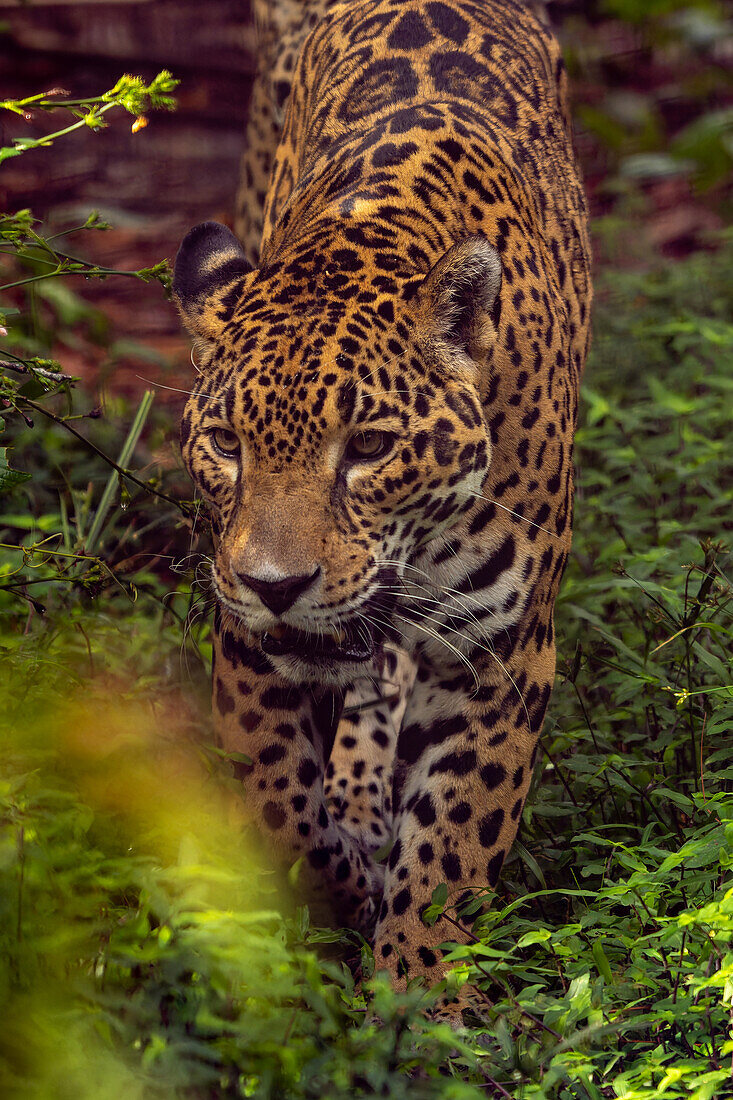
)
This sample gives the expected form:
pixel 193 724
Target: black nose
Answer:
pixel 278 596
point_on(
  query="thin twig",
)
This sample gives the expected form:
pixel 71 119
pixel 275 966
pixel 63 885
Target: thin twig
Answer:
pixel 93 447
pixel 24 368
pixel 495 1084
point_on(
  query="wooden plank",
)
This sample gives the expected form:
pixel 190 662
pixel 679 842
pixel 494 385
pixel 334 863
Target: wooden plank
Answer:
pixel 26 4
pixel 167 33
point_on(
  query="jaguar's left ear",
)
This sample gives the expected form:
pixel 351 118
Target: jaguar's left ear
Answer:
pixel 208 278
pixel 459 300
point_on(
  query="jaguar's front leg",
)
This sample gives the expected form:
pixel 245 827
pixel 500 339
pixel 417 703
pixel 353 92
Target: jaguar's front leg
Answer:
pixel 359 773
pixel 466 754
pixel 285 731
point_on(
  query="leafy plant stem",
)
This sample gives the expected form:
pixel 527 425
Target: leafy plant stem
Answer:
pixel 91 270
pixel 125 455
pixel 592 732
pixel 23 368
pixel 558 772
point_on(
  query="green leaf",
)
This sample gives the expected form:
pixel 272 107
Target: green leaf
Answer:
pixel 10 479
pixel 601 961
pixel 654 166
pixel 50 522
pixel 541 935
pixel 440 894
pixel 531 862
pixel 367 962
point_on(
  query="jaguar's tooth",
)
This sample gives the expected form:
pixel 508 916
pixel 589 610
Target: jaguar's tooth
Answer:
pixel 338 636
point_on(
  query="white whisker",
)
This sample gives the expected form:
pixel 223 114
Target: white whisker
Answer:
pixel 463 598
pixel 437 637
pixel 487 647
pixel 517 515
pixel 177 389
pixel 470 619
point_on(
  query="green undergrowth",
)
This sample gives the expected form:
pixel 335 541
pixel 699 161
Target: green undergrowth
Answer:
pixel 145 948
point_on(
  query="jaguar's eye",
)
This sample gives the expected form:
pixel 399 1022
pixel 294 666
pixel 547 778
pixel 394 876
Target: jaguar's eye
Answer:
pixel 225 442
pixel 367 445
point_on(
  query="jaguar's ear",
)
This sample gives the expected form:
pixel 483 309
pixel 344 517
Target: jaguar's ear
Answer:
pixel 459 302
pixel 208 278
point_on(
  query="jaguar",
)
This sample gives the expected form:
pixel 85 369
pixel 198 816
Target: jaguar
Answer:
pixel 382 426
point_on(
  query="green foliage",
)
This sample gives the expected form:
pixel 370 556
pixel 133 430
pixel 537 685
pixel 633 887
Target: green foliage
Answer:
pixel 9 478
pixel 28 372
pixel 642 11
pixel 142 945
pixel 40 255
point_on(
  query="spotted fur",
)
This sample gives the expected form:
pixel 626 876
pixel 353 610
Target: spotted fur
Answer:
pixel 282 27
pixel 383 427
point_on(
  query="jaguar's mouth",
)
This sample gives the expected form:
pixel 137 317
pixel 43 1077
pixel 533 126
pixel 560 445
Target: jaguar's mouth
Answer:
pixel 355 642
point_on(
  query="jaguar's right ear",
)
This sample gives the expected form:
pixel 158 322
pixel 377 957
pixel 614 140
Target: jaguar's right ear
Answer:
pixel 208 278
pixel 458 303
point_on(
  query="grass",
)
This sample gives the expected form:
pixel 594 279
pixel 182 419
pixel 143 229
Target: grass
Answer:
pixel 145 948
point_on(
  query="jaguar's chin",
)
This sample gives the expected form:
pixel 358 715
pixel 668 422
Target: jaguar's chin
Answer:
pixel 335 656
pixel 339 675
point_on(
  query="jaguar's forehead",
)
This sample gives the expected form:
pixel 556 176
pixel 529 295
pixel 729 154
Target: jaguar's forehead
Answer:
pixel 285 338
pixel 285 325
pixel 324 386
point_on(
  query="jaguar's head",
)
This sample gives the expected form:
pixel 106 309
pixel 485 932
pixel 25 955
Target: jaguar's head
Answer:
pixel 335 428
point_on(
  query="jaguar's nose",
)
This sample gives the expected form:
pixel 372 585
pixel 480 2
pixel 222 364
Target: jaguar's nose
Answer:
pixel 279 595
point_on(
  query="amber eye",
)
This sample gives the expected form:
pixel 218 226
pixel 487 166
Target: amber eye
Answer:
pixel 366 445
pixel 225 442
